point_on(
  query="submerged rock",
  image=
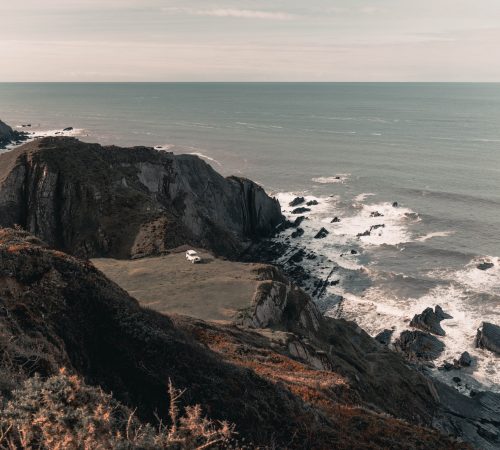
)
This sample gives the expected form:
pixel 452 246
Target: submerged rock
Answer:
pixel 297 201
pixel 395 204
pixel 312 203
pixel 321 234
pixel 420 345
pixel 488 337
pixel 365 233
pixel 429 320
pixel 376 214
pixel 485 265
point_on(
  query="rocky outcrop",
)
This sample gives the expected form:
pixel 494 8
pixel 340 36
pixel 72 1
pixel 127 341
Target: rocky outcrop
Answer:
pixel 430 320
pixel 92 201
pixel 488 337
pixel 419 345
pixel 9 136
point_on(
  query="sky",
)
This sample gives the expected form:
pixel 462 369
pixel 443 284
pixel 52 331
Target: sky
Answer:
pixel 250 40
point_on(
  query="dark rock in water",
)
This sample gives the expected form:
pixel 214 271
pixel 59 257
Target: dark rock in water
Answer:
pixel 27 125
pixel 300 210
pixel 298 256
pixel 376 214
pixel 365 233
pixel 429 320
pixel 68 129
pixel 312 203
pixel 456 379
pixel 354 252
pixel 395 205
pixel 441 315
pixel 334 282
pixel 447 366
pixel 465 359
pixel 335 220
pixel 95 201
pixel 296 223
pixel 376 227
pixel 297 201
pixel 384 337
pixel 323 233
pixel 485 265
pixel 311 256
pixel 420 345
pixel 488 337
pixel 297 233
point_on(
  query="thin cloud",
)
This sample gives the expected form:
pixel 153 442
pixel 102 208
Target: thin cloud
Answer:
pixel 234 13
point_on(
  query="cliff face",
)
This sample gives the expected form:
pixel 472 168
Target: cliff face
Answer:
pixel 107 201
pixel 58 311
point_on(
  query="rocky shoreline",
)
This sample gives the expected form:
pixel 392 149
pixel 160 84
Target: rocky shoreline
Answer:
pixel 282 372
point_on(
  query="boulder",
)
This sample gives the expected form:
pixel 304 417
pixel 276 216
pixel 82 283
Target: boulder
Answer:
pixel 68 129
pixel 312 203
pixel 335 220
pixel 296 223
pixel 297 233
pixel 465 359
pixel 488 337
pixel 321 234
pixel 376 227
pixel 419 345
pixel 376 214
pixel 300 210
pixel 429 320
pixel 297 201
pixel 365 233
pixel 395 204
pixel 485 265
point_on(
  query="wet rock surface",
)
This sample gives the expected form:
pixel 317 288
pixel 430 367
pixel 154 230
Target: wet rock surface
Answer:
pixel 488 337
pixel 430 320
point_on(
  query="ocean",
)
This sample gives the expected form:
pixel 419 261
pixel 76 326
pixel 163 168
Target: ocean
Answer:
pixel 355 148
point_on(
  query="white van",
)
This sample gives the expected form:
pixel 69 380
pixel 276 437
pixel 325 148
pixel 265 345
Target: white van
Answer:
pixel 193 256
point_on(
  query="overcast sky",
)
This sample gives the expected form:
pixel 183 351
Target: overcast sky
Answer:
pixel 249 40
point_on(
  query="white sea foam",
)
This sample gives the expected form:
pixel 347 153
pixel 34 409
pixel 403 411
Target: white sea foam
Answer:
pixel 391 228
pixel 434 235
pixel 377 307
pixel 208 158
pixel 362 197
pixel 339 178
pixel 473 278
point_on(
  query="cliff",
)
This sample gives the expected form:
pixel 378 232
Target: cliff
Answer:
pixel 92 201
pixel 58 311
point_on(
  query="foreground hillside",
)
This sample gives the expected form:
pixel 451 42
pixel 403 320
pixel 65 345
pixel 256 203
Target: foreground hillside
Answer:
pixel 60 312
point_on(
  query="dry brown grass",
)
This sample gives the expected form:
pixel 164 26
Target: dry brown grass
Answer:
pixel 63 413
